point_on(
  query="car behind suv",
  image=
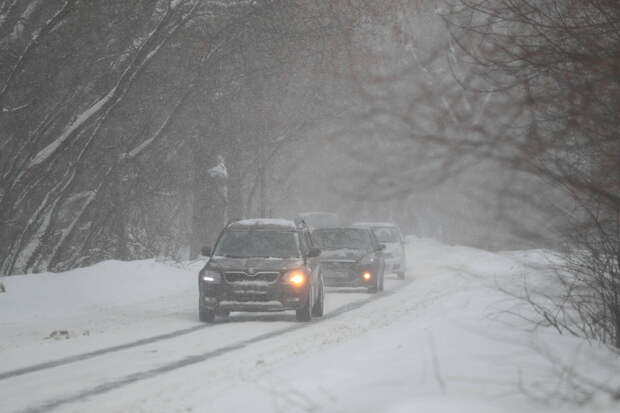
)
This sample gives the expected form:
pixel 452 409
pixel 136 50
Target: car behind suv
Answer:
pixel 394 254
pixel 262 265
pixel 350 257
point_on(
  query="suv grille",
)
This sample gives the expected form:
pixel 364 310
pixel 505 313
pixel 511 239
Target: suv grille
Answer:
pixel 336 266
pixel 243 277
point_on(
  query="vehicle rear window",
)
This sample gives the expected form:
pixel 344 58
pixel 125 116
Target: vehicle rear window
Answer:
pixel 258 243
pixel 386 234
pixel 339 238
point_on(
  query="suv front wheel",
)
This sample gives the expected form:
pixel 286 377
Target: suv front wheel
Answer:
pixel 205 315
pixel 319 306
pixel 305 313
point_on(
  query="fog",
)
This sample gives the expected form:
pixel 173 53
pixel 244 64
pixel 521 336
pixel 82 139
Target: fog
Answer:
pixel 481 135
pixel 351 108
pixel 365 162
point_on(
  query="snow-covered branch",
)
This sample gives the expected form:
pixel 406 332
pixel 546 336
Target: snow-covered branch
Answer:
pixel 48 27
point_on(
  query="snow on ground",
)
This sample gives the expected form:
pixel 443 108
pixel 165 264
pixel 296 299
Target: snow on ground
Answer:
pixel 442 343
pixel 87 302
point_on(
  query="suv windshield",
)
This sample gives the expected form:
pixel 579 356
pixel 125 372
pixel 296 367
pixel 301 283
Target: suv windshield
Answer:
pixel 258 243
pixel 386 234
pixel 338 238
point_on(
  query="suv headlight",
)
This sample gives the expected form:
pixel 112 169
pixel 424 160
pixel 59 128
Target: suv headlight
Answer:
pixel 296 278
pixel 210 276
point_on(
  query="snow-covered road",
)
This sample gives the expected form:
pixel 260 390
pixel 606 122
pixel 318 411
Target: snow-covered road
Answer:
pixel 431 343
pixel 68 379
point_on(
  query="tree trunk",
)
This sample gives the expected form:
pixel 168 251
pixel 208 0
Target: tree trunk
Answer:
pixel 235 203
pixel 262 183
pixel 200 204
pixel 209 203
pixel 122 250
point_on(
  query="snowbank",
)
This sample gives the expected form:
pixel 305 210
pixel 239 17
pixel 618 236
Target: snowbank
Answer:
pixel 89 300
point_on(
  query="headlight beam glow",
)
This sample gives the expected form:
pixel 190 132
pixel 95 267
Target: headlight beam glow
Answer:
pixel 296 278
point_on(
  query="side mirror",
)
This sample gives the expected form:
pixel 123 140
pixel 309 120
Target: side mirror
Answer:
pixel 206 251
pixel 314 252
pixel 380 247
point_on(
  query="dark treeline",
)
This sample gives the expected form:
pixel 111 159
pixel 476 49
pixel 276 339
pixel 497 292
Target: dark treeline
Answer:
pixel 134 128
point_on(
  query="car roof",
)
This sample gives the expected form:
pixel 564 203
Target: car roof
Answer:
pixel 263 223
pixel 375 224
pixel 338 227
pixel 306 214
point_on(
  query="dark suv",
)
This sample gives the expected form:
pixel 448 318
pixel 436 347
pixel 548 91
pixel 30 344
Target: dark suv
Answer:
pixel 262 265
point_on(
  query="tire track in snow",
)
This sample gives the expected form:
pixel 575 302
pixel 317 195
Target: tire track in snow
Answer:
pixel 91 354
pixel 187 361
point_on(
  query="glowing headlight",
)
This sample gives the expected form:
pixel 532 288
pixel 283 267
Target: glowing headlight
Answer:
pixel 210 276
pixel 367 276
pixel 296 278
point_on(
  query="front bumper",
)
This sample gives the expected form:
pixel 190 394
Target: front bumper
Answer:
pixel 345 274
pixel 394 263
pixel 248 296
pixel 394 266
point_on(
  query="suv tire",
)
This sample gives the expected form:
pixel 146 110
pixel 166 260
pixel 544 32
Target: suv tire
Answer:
pixel 205 315
pixel 374 288
pixel 223 313
pixel 319 306
pixel 305 312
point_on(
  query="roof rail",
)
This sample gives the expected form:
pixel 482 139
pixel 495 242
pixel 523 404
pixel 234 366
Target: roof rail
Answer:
pixel 300 223
pixel 231 221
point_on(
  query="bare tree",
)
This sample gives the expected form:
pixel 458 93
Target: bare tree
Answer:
pixel 558 62
pixel 529 88
pixel 113 113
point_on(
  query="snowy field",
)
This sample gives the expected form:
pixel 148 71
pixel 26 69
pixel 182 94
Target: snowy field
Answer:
pixel 124 337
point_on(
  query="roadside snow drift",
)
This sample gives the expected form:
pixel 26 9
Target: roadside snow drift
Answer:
pixel 124 337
